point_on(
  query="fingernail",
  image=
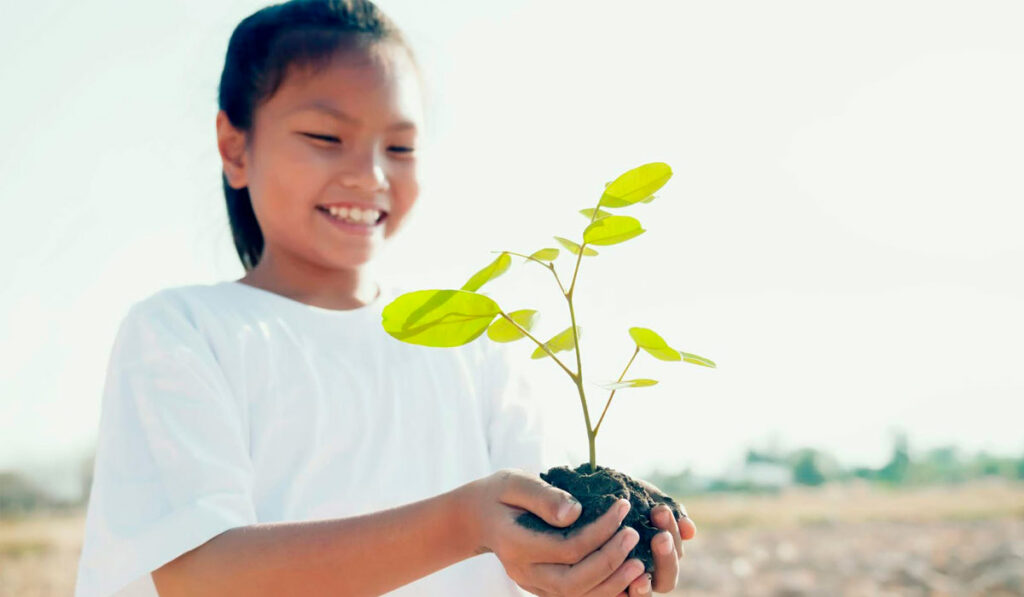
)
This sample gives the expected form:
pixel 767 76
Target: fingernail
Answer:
pixel 629 538
pixel 624 506
pixel 645 586
pixel 637 566
pixel 568 508
pixel 664 546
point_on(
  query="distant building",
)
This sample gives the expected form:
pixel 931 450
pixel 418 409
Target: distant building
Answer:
pixel 759 475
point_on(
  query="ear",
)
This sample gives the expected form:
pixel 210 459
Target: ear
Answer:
pixel 231 145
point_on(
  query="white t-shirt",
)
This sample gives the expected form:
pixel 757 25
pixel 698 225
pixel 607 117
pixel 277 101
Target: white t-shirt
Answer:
pixel 226 405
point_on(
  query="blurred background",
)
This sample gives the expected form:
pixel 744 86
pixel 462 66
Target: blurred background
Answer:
pixel 842 236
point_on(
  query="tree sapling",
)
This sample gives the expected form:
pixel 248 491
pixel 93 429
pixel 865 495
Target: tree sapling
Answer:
pixel 447 318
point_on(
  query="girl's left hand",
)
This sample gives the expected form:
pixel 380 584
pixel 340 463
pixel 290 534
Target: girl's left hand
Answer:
pixel 667 547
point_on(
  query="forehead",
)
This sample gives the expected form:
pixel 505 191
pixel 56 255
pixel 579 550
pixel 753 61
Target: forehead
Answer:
pixel 376 83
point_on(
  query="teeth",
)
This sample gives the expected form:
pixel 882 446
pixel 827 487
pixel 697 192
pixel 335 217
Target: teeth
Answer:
pixel 355 215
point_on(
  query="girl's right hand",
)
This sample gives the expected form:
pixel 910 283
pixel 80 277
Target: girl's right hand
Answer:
pixel 589 562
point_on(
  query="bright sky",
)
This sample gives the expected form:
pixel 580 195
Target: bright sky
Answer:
pixel 842 234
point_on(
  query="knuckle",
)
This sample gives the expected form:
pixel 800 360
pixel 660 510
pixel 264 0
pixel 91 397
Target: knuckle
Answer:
pixel 567 553
pixel 575 549
pixel 506 480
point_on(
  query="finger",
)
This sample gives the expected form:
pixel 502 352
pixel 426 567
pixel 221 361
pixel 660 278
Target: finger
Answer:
pixel 666 562
pixel 597 567
pixel 619 581
pixel 641 587
pixel 583 542
pixel 662 517
pixel 529 492
pixel 687 528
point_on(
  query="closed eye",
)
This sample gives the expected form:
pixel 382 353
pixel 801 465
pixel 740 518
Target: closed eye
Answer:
pixel 330 139
pixel 327 138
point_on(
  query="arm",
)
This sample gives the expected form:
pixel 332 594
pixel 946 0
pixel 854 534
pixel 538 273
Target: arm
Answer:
pixel 361 555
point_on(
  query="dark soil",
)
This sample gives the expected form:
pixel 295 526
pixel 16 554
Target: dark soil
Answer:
pixel 596 492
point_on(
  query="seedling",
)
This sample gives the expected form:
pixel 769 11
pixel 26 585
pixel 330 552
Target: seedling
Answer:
pixel 447 318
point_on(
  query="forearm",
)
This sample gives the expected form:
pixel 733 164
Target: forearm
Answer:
pixel 362 555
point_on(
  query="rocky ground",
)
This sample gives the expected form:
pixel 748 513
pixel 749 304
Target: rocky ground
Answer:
pixel 982 557
pixel 848 540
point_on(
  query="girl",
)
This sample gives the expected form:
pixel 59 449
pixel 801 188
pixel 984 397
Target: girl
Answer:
pixel 265 436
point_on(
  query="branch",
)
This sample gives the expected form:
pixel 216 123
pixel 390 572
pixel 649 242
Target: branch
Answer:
pixel 607 404
pixel 549 266
pixel 540 344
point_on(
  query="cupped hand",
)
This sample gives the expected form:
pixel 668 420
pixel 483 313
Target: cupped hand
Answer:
pixel 590 561
pixel 667 547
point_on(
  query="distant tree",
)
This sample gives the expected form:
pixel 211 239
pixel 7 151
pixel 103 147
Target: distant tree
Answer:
pixel 806 469
pixel 895 471
pixel 754 455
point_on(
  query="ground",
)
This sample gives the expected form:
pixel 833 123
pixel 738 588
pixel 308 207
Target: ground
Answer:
pixel 838 540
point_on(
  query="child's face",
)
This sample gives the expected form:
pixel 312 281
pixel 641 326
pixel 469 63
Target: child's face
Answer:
pixel 303 158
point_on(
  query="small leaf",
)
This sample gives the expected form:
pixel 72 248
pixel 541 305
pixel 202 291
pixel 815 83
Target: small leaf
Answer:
pixel 561 341
pixel 441 318
pixel 589 212
pixel 492 271
pixel 545 255
pixel 628 383
pixel 649 199
pixel 612 230
pixel 503 331
pixel 574 248
pixel 636 185
pixel 697 360
pixel 654 344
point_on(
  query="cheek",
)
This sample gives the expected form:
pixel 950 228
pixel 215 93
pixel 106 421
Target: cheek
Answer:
pixel 405 191
pixel 288 189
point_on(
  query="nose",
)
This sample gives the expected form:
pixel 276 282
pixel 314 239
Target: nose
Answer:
pixel 364 170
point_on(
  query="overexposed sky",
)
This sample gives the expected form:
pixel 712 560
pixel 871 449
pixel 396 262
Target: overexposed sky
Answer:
pixel 842 234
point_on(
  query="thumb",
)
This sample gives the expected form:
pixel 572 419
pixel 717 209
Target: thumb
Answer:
pixel 556 506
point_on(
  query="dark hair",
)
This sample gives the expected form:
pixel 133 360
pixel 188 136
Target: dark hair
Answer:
pixel 261 50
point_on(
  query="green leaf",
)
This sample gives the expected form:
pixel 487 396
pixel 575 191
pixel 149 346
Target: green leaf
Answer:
pixel 636 185
pixel 654 344
pixel 492 271
pixel 441 318
pixel 574 248
pixel 503 331
pixel 545 254
pixel 561 341
pixel 628 383
pixel 589 212
pixel 697 360
pixel 612 230
pixel 649 199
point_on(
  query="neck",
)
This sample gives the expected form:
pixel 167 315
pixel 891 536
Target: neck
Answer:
pixel 300 280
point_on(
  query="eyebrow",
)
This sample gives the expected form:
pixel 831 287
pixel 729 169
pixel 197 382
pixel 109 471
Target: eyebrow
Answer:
pixel 321 106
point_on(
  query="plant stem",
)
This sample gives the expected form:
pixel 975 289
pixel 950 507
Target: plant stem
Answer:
pixel 550 266
pixel 540 344
pixel 591 432
pixel 591 436
pixel 606 404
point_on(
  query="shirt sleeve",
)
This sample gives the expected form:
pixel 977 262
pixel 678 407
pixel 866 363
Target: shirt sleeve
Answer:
pixel 519 434
pixel 172 466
